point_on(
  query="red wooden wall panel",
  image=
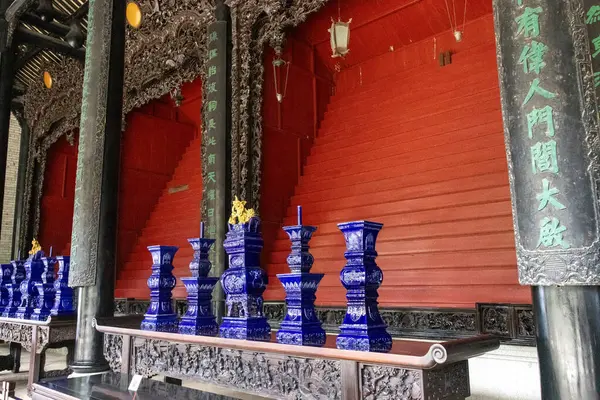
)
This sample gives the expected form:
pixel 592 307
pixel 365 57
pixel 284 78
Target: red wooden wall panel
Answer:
pixel 58 197
pixel 419 148
pixel 289 128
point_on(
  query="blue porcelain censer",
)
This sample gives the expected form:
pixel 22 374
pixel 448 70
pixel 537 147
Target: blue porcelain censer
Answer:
pixel 300 325
pixel 199 318
pixel 6 271
pixel 160 316
pixel 34 267
pixel 63 300
pixel 362 328
pixel 14 289
pixel 46 291
pixel 244 282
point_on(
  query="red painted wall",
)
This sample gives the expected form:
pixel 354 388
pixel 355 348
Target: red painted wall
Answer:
pixel 419 148
pixel 289 128
pixel 152 145
pixel 59 195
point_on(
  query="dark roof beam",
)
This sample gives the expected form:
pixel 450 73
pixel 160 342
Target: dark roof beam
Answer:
pixel 52 27
pixel 47 42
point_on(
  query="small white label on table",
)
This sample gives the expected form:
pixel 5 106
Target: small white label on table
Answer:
pixel 135 383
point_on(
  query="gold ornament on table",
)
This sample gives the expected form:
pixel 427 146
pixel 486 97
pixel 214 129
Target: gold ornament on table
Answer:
pixel 239 213
pixel 35 247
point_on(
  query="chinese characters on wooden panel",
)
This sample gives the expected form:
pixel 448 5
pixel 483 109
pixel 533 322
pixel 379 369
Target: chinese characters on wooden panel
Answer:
pixel 543 149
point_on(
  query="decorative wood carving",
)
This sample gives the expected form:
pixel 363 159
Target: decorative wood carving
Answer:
pixel 166 51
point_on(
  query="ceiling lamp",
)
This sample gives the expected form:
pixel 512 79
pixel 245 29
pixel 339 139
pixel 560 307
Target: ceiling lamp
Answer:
pixel 47 79
pixel 133 13
pixel 278 65
pixel 340 38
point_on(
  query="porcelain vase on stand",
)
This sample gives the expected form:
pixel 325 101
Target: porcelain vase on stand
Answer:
pixel 300 324
pixel 14 288
pixel 199 318
pixel 6 271
pixel 160 316
pixel 34 267
pixel 46 291
pixel 363 328
pixel 63 300
pixel 244 283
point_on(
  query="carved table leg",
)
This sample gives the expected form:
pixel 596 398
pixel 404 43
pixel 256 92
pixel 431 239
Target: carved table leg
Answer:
pixel 15 351
pixel 35 360
pixel 70 353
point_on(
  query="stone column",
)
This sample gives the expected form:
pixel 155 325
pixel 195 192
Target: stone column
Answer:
pixel 97 183
pixel 20 198
pixel 7 60
pixel 547 53
pixel 216 160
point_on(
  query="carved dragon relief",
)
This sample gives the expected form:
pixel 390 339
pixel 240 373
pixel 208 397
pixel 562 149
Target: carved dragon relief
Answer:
pixel 166 51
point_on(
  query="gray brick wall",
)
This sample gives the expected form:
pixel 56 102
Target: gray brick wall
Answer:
pixel 10 189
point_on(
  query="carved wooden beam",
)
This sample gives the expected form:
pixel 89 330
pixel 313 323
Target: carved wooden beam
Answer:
pixel 48 42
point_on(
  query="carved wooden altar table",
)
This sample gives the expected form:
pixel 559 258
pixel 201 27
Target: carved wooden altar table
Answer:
pixel 36 337
pixel 413 369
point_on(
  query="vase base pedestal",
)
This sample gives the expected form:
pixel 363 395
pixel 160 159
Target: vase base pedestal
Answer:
pixel 375 339
pixel 199 326
pixel 253 328
pixel 161 323
pixel 307 334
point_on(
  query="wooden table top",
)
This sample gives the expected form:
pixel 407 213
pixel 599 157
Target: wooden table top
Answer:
pixel 416 354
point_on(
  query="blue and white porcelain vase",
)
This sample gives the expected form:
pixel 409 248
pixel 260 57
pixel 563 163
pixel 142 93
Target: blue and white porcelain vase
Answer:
pixel 14 289
pixel 46 291
pixel 199 318
pixel 160 316
pixel 63 300
pixel 244 283
pixel 6 271
pixel 34 267
pixel 300 325
pixel 363 328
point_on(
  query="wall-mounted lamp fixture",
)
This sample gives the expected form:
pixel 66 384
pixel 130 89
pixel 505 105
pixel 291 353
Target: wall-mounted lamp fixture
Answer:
pixel 279 64
pixel 134 15
pixel 47 79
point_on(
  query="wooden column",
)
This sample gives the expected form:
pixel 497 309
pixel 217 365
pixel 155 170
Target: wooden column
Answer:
pixel 94 238
pixel 547 56
pixel 216 148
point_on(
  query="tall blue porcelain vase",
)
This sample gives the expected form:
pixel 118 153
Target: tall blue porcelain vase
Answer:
pixel 244 283
pixel 199 318
pixel 6 271
pixel 300 325
pixel 160 316
pixel 34 267
pixel 363 328
pixel 63 300
pixel 14 289
pixel 46 291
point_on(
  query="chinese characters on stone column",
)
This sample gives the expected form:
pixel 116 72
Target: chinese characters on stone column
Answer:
pixel 540 130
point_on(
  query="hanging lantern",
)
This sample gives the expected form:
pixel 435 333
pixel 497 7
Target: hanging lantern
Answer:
pixel 279 64
pixel 340 38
